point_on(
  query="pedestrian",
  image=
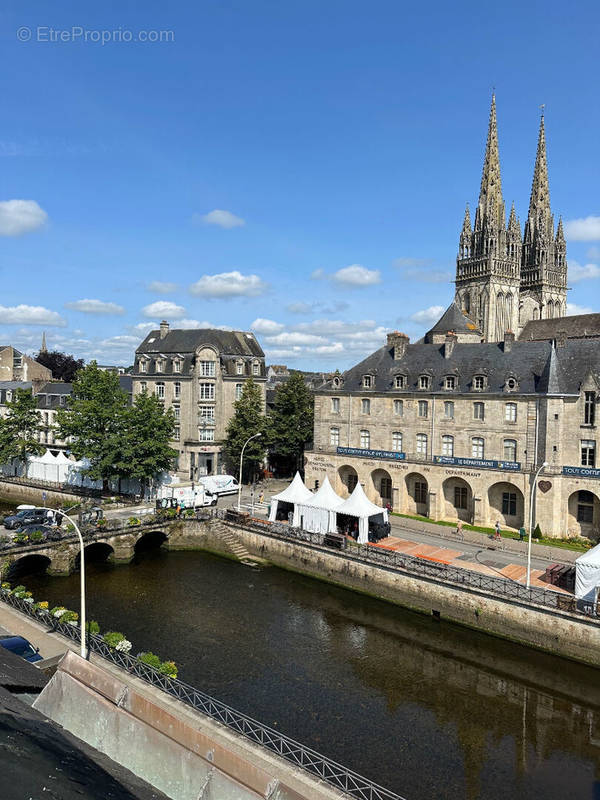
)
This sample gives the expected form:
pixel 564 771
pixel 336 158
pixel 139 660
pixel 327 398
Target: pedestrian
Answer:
pixel 522 533
pixel 497 529
pixel 459 529
pixel 261 497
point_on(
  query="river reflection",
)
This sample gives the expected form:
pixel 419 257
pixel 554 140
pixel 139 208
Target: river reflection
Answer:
pixel 427 709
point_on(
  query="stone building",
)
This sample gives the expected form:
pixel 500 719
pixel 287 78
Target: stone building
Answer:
pixel 504 279
pixel 200 374
pixel 16 366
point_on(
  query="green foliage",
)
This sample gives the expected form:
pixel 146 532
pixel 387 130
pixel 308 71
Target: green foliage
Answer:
pixel 133 521
pixel 20 428
pixel 20 538
pixel 537 532
pixel 19 588
pixel 247 421
pixel 112 638
pixel 168 668
pixel 150 659
pixel 36 536
pixel 69 616
pixel 63 366
pixel 92 627
pixel 290 425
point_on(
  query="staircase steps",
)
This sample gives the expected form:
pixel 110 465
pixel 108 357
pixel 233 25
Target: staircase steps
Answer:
pixel 233 543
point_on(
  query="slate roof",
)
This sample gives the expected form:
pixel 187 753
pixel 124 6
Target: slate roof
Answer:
pixel 234 343
pixel 453 319
pixel 580 326
pixel 538 367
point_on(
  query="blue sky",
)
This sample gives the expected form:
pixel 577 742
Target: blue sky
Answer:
pixel 296 168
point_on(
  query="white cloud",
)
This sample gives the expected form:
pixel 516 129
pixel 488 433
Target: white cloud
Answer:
pixel 584 229
pixel 20 216
pixel 295 338
pixel 144 328
pixel 428 315
pixel 573 309
pixel 221 218
pixel 164 309
pixel 582 272
pixel 334 307
pixel 30 315
pixel 299 308
pixel 123 341
pixel 95 307
pixel 229 284
pixel 336 327
pixel 162 287
pixel 357 275
pixel 266 326
pixel 201 325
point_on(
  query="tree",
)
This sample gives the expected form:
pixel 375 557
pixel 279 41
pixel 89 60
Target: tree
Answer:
pixel 96 421
pixel 149 429
pixel 247 421
pixel 291 422
pixel 20 428
pixel 64 367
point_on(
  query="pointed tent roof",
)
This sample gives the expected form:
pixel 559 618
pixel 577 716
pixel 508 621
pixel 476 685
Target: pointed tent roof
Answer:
pixel 325 497
pixel 296 492
pixel 359 505
pixel 453 319
pixel 490 208
pixel 62 459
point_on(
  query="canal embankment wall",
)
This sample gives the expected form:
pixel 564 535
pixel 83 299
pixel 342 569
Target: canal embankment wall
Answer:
pixel 550 630
pixel 16 492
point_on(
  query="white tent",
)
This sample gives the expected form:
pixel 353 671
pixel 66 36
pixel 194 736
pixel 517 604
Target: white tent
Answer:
pixel 318 514
pixel 43 468
pixel 63 464
pixel 587 574
pixel 358 505
pixel 293 494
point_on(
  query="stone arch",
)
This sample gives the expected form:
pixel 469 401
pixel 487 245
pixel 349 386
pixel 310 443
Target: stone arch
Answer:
pixel 150 540
pixel 417 490
pixel 583 514
pixel 382 487
pixel 458 499
pixel 508 326
pixel 29 564
pixel 507 504
pixel 348 478
pixel 95 553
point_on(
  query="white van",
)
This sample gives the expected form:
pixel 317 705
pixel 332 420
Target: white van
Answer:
pixel 187 495
pixel 220 484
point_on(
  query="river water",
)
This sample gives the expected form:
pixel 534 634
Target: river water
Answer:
pixel 427 709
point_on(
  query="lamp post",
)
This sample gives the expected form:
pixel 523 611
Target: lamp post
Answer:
pixel 239 503
pixel 531 498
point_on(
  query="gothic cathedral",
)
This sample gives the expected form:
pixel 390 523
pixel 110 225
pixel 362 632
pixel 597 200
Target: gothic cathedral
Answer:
pixel 503 280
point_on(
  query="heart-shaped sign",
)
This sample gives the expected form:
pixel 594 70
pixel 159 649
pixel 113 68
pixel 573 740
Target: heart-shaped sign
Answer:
pixel 544 486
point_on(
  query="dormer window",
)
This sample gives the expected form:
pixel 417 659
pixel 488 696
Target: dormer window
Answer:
pixel 424 381
pixel 143 365
pixel 450 382
pixel 511 384
pixel 479 383
pixel 176 365
pixel 239 368
pixel 256 368
pixel 159 365
pixel 336 383
pixel 367 381
pixel 400 381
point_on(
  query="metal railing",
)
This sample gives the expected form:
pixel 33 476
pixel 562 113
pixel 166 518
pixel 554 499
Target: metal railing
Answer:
pixel 413 565
pixel 338 776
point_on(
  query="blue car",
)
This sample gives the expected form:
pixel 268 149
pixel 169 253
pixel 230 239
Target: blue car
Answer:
pixel 21 647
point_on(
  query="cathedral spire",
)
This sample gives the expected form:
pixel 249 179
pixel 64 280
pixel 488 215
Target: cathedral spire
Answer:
pixel 490 208
pixel 560 233
pixel 466 228
pixel 43 348
pixel 513 222
pixel 539 203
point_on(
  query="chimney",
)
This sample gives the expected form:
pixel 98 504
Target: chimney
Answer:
pixel 164 328
pixel 398 342
pixel 509 340
pixel 561 338
pixel 449 342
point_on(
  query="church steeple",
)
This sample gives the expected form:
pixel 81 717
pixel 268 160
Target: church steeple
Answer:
pixel 490 208
pixel 539 219
pixel 43 348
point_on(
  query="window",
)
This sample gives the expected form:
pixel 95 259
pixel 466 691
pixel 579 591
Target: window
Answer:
pixel 449 409
pixel 589 408
pixel 511 384
pixel 365 439
pixel 239 368
pixel 239 388
pixel 334 437
pixel 207 369
pixel 143 366
pixel 399 408
pixel 477 447
pixel 397 441
pixel 365 406
pixel 336 383
pixel 420 492
pixel 177 390
pixel 400 382
pixel 385 489
pixel 367 381
pixel 177 412
pixel 478 383
pixel 207 391
pixel 478 411
pixel 450 382
pixel 63 400
pixel 206 435
pixel 424 382
pixel 256 368
pixel 447 445
pixel 206 413
pixel 588 453
pixel 160 390
pixel 335 405
pixel 177 365
pixel 159 365
pixel 351 481
pixel 510 450
pixel 176 433
pixel 423 408
pixel 510 412
pixel 585 506
pixel 143 386
pixel 509 504
pixel 460 497
pixel 422 444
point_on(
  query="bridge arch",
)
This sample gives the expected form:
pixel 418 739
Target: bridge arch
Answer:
pixel 150 540
pixel 95 553
pixel 29 564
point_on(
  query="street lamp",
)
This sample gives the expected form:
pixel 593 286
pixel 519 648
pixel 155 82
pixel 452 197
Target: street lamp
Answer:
pixel 239 503
pixel 537 474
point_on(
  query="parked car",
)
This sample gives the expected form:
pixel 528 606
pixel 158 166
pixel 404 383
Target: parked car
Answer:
pixel 29 516
pixel 20 647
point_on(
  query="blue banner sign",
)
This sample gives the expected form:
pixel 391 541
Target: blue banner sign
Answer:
pixel 582 472
pixel 480 463
pixel 390 455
